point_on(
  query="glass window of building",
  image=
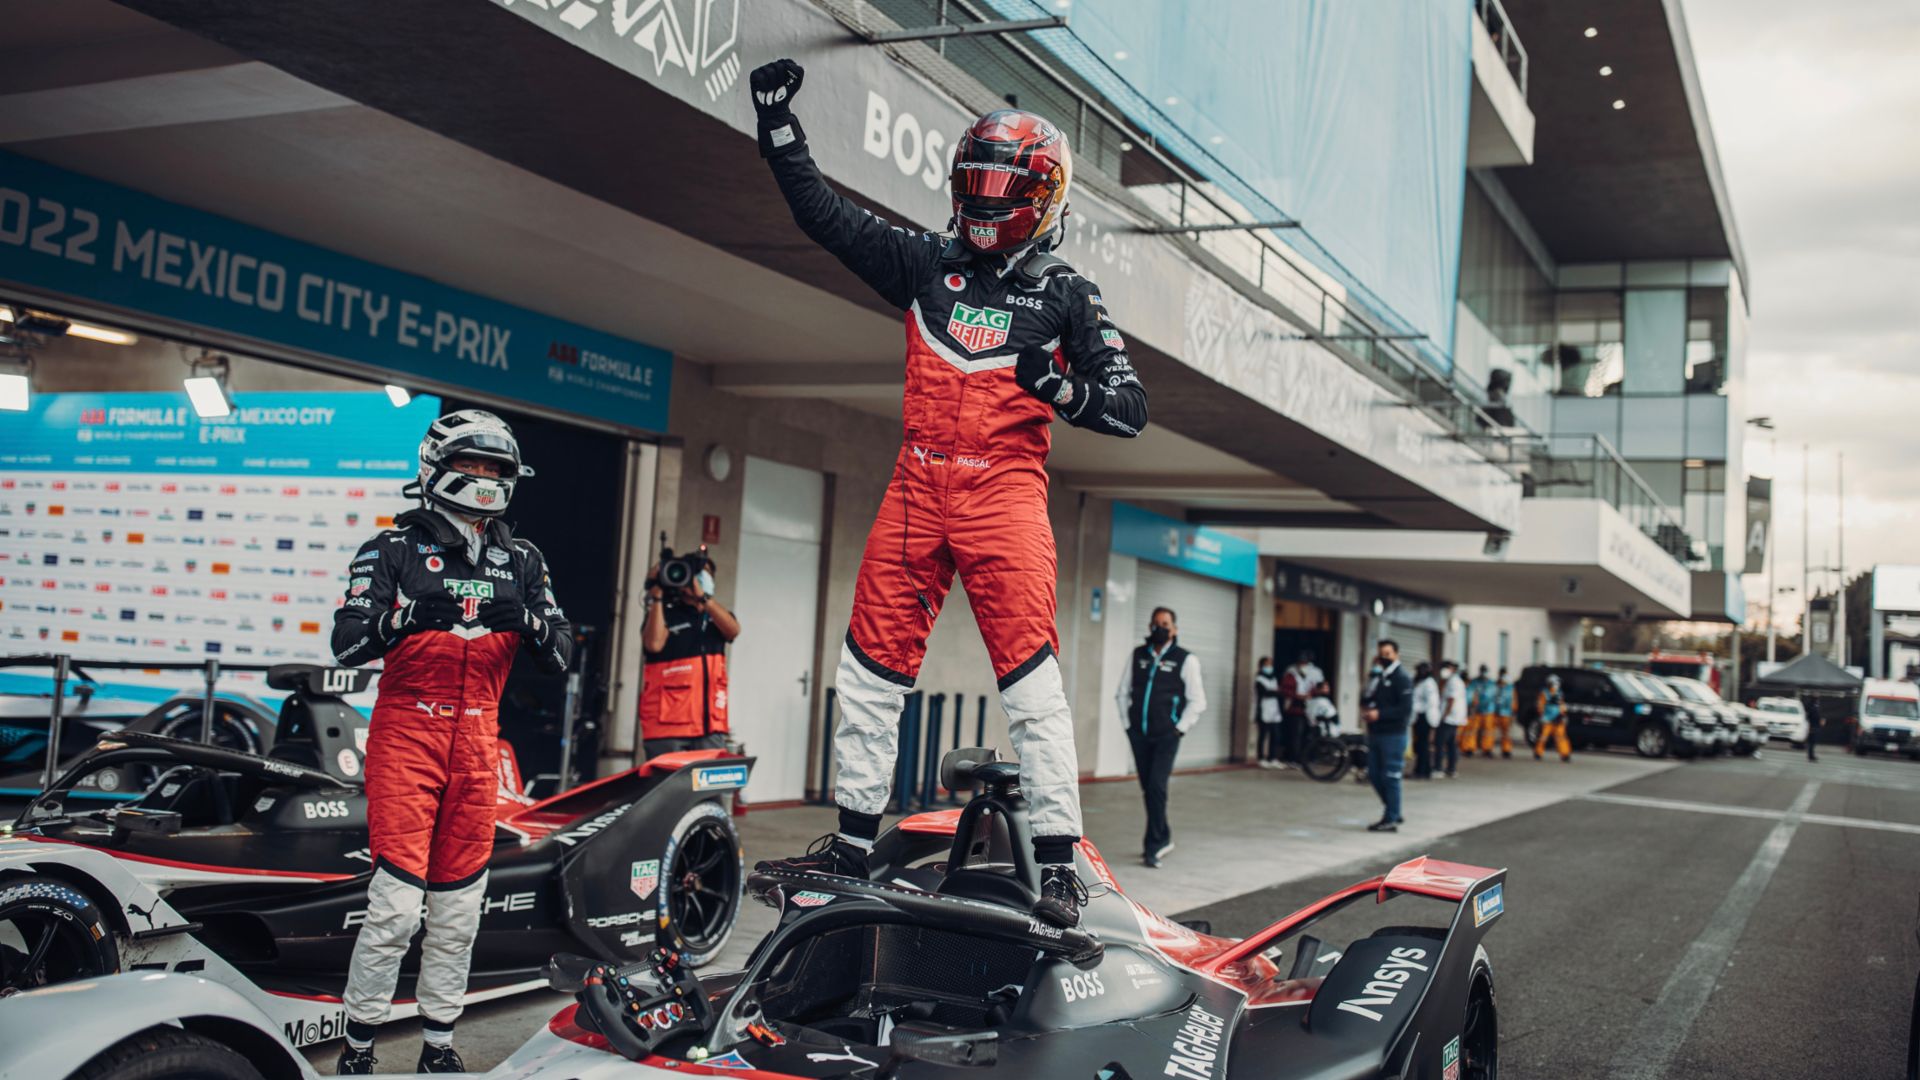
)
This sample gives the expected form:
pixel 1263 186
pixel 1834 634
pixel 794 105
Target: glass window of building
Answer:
pixel 1705 510
pixel 1501 283
pixel 1590 347
pixel 1706 341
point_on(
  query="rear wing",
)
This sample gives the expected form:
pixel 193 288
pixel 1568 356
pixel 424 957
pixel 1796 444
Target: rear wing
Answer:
pixel 1478 889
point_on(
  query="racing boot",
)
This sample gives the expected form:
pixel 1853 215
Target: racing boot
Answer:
pixel 355 1062
pixel 439 1059
pixel 831 854
pixel 1061 895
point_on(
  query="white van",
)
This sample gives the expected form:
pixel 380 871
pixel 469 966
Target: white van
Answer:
pixel 1889 718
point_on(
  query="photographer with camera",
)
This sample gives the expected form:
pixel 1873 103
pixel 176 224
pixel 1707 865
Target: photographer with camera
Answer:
pixel 683 693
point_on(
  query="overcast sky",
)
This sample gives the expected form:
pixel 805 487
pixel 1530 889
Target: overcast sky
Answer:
pixel 1816 108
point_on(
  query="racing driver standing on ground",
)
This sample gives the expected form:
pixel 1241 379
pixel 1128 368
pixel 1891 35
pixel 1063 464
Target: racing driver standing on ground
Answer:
pixel 1002 336
pixel 447 596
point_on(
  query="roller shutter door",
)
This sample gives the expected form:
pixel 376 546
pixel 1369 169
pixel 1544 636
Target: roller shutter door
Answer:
pixel 1209 615
pixel 1416 646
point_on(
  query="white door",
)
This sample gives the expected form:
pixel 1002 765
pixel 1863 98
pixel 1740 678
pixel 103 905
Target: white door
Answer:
pixel 1208 612
pixel 777 597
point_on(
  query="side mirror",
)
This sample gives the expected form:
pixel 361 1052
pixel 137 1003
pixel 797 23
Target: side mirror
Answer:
pixel 967 1050
pixel 567 972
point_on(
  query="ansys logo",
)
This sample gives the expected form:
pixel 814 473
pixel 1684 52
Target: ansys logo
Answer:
pixel 979 328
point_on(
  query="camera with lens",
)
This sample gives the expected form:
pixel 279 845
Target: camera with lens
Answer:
pixel 678 571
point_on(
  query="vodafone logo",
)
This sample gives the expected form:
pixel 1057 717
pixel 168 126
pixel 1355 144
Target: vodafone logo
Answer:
pixel 956 282
pixel 435 563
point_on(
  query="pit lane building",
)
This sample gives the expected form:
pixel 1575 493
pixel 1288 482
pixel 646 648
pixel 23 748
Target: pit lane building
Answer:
pixel 1453 356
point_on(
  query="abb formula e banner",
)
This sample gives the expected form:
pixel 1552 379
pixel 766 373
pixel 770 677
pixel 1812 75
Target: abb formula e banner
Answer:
pixel 133 529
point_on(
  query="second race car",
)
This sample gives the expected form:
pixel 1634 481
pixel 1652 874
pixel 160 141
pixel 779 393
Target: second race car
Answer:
pixel 252 871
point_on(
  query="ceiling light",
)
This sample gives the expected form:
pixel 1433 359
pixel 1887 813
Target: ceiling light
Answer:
pixel 48 325
pixel 1593 31
pixel 1606 70
pixel 1217 139
pixel 1125 145
pixel 100 333
pixel 207 387
pixel 1121 55
pixel 399 396
pixel 1695 463
pixel 1173 101
pixel 1619 104
pixel 13 392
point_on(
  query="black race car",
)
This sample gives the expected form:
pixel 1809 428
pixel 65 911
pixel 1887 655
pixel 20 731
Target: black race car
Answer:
pixel 935 962
pixel 252 870
pixel 90 711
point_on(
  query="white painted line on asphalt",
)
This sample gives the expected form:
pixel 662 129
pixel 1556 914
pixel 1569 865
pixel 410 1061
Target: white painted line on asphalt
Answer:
pixel 1649 1052
pixel 1751 812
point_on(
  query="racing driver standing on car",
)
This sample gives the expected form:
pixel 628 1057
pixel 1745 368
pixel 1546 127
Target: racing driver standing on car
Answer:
pixel 447 596
pixel 1002 337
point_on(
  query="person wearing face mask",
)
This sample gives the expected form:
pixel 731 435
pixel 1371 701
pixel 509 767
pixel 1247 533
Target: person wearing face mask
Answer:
pixel 683 690
pixel 1297 687
pixel 1266 712
pixel 1385 707
pixel 1161 698
pixel 446 598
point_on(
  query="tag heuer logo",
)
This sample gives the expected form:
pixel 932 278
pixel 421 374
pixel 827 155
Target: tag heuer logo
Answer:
pixel 979 328
pixel 480 590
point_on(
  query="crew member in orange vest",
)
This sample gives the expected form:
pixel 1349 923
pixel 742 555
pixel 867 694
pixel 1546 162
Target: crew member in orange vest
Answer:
pixel 683 693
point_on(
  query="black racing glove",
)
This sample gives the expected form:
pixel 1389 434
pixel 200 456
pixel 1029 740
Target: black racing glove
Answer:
pixel 434 611
pixel 774 86
pixel 1038 375
pixel 514 617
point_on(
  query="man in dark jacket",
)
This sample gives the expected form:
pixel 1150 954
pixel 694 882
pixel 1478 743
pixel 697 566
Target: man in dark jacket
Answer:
pixel 1386 708
pixel 1161 697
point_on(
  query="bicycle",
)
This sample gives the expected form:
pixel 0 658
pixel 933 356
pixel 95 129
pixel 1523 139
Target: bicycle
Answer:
pixel 1331 754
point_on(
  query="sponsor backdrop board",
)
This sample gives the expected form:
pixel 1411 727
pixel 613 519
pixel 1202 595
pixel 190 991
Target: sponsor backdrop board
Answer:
pixel 132 529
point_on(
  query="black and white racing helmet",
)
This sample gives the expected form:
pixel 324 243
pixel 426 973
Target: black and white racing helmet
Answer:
pixel 469 433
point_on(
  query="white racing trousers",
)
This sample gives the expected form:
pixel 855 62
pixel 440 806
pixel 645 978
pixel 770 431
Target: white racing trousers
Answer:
pixel 394 912
pixel 868 741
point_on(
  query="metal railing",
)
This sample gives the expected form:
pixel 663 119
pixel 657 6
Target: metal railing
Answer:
pixel 1163 183
pixel 1500 29
pixel 1588 467
pixel 924 739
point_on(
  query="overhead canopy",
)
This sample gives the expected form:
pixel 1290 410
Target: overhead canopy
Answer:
pixel 1810 671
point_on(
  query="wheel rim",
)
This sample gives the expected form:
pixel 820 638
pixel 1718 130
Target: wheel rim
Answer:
pixel 706 884
pixel 1650 742
pixel 38 948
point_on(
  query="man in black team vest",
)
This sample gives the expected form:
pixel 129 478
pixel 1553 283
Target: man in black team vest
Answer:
pixel 1161 698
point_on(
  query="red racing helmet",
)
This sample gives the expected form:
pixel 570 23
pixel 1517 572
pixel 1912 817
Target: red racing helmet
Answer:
pixel 1011 171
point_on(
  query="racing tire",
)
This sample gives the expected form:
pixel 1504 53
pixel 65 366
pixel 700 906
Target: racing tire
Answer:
pixel 1532 730
pixel 51 932
pixel 1480 1035
pixel 1913 1036
pixel 1326 759
pixel 1651 740
pixel 228 732
pixel 165 1053
pixel 703 875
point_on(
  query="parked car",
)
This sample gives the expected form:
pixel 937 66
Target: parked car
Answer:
pixel 1752 735
pixel 1785 718
pixel 1728 725
pixel 1615 708
pixel 1889 718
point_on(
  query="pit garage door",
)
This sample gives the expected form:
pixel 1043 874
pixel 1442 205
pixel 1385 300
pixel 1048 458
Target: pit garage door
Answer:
pixel 1209 615
pixel 1416 646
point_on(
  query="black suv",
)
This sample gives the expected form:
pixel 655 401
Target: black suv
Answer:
pixel 1614 708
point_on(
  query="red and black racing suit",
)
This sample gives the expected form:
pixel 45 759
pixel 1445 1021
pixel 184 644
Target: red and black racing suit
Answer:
pixel 969 489
pixel 432 762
